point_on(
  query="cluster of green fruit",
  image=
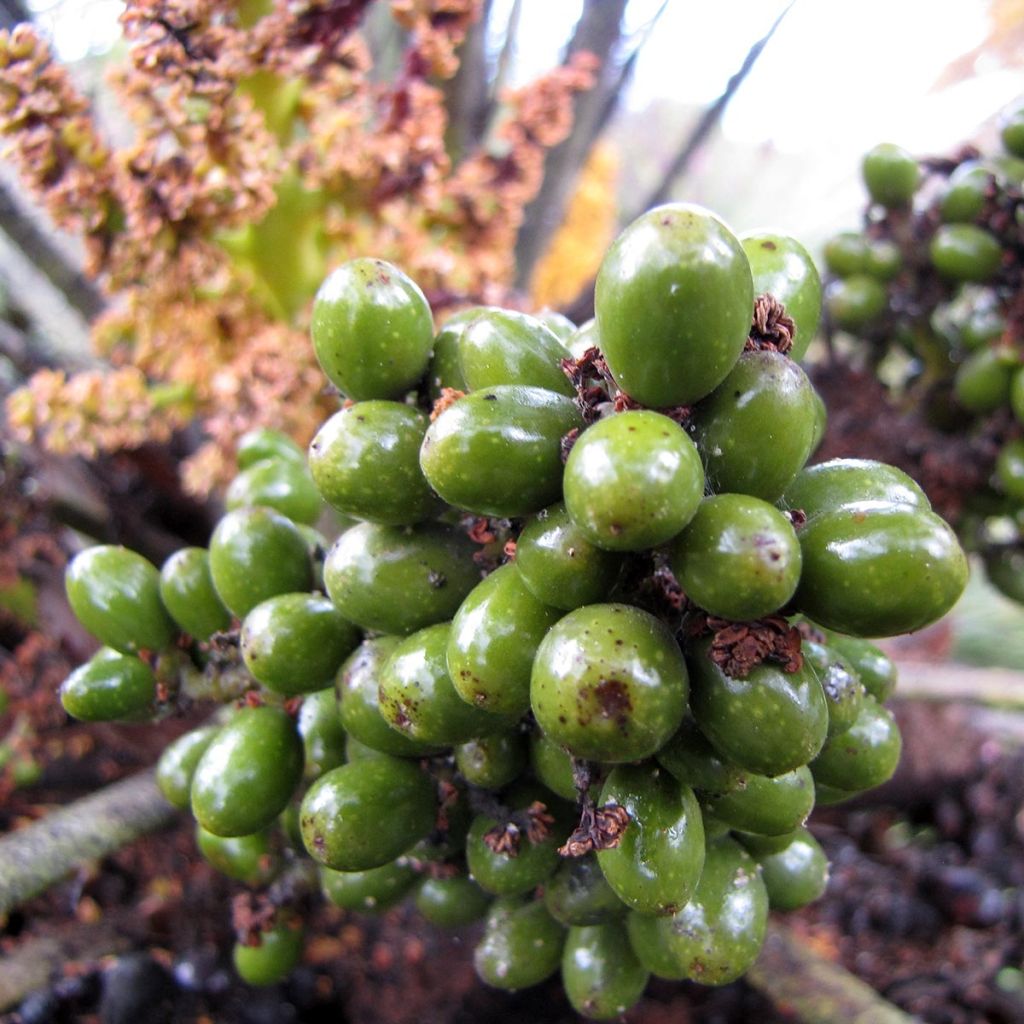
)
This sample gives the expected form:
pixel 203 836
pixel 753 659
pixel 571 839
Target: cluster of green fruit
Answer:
pixel 416 723
pixel 932 288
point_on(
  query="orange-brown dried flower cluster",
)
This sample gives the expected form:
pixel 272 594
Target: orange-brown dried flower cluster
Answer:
pixel 265 153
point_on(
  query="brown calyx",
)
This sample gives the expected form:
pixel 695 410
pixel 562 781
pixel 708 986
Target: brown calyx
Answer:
pixel 739 647
pixel 507 838
pixel 600 828
pixel 771 329
pixel 448 397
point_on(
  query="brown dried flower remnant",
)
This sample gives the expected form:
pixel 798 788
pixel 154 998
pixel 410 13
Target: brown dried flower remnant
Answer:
pixel 738 647
pixel 772 328
pixel 506 838
pixel 449 396
pixel 600 828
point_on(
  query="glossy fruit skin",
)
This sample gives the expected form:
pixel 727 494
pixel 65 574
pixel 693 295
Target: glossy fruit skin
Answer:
pixel 794 872
pixel 247 859
pixel 295 643
pixel 770 722
pixel 965 252
pixel 272 960
pixel 838 482
pixel 451 902
pixel 552 766
pixel 874 668
pixel 738 558
pixel 521 944
pixel 1011 133
pixel 884 260
pixel 256 553
pixel 110 687
pixel 983 381
pixel 767 806
pixel 501 346
pixel 187 592
pixel 600 972
pixel 846 253
pixel 498 451
pixel 783 268
pixel 695 762
pixel 844 692
pixel 358 685
pixel 247 774
pixel 492 761
pixel 115 594
pixel 717 936
pixel 559 565
pixel 891 175
pixel 366 813
pixel 178 762
pixel 559 324
pixel 419 700
pixel 873 569
pixel 755 432
pixel 399 579
pixel 371 891
pixel 494 637
pixel 372 329
pixel 323 738
pixel 632 481
pixel 264 443
pixel 281 484
pixel 445 370
pixel 965 193
pixel 656 866
pixel 365 461
pixel 864 756
pixel 585 337
pixel 503 875
pixel 579 894
pixel 674 299
pixel 609 683
pixel 854 301
pixel 1010 469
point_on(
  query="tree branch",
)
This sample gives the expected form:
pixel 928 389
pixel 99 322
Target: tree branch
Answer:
pixel 41 854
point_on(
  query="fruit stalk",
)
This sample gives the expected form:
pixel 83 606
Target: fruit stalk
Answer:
pixel 41 854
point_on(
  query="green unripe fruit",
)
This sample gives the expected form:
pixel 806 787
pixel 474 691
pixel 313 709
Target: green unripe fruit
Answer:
pixel 295 643
pixel 365 461
pixel 767 806
pixel 755 432
pixel 600 972
pixel 263 443
pixel 552 766
pixel 674 299
pixel 115 594
pixel 492 761
pixel 965 252
pixel 273 959
pixel 178 762
pixel 891 175
pixel 372 330
pixel 371 891
pixel 445 370
pixel 584 338
pixel 451 902
pixel 984 379
pixel 632 481
pixel 359 696
pixel 498 451
pixel 844 692
pixel 248 773
pixel 559 324
pixel 579 894
pixel 966 193
pixel 110 687
pixel 854 301
pixel 323 738
pixel 1017 396
pixel 609 683
pixel 521 945
pixel 559 565
pixel 783 268
pixel 738 559
pixel 695 762
pixel 873 569
pixel 501 346
pixel 795 873
pixel 187 592
pixel 864 756
pixel 281 484
pixel 494 637
pixel 399 579
pixel 502 873
pixel 874 668
pixel 769 722
pixel 1010 469
pixel 846 254
pixel 256 553
pixel 838 482
pixel 884 260
pixel 248 859
pixel 717 936
pixel 418 699
pixel 1011 133
pixel 656 866
pixel 366 813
